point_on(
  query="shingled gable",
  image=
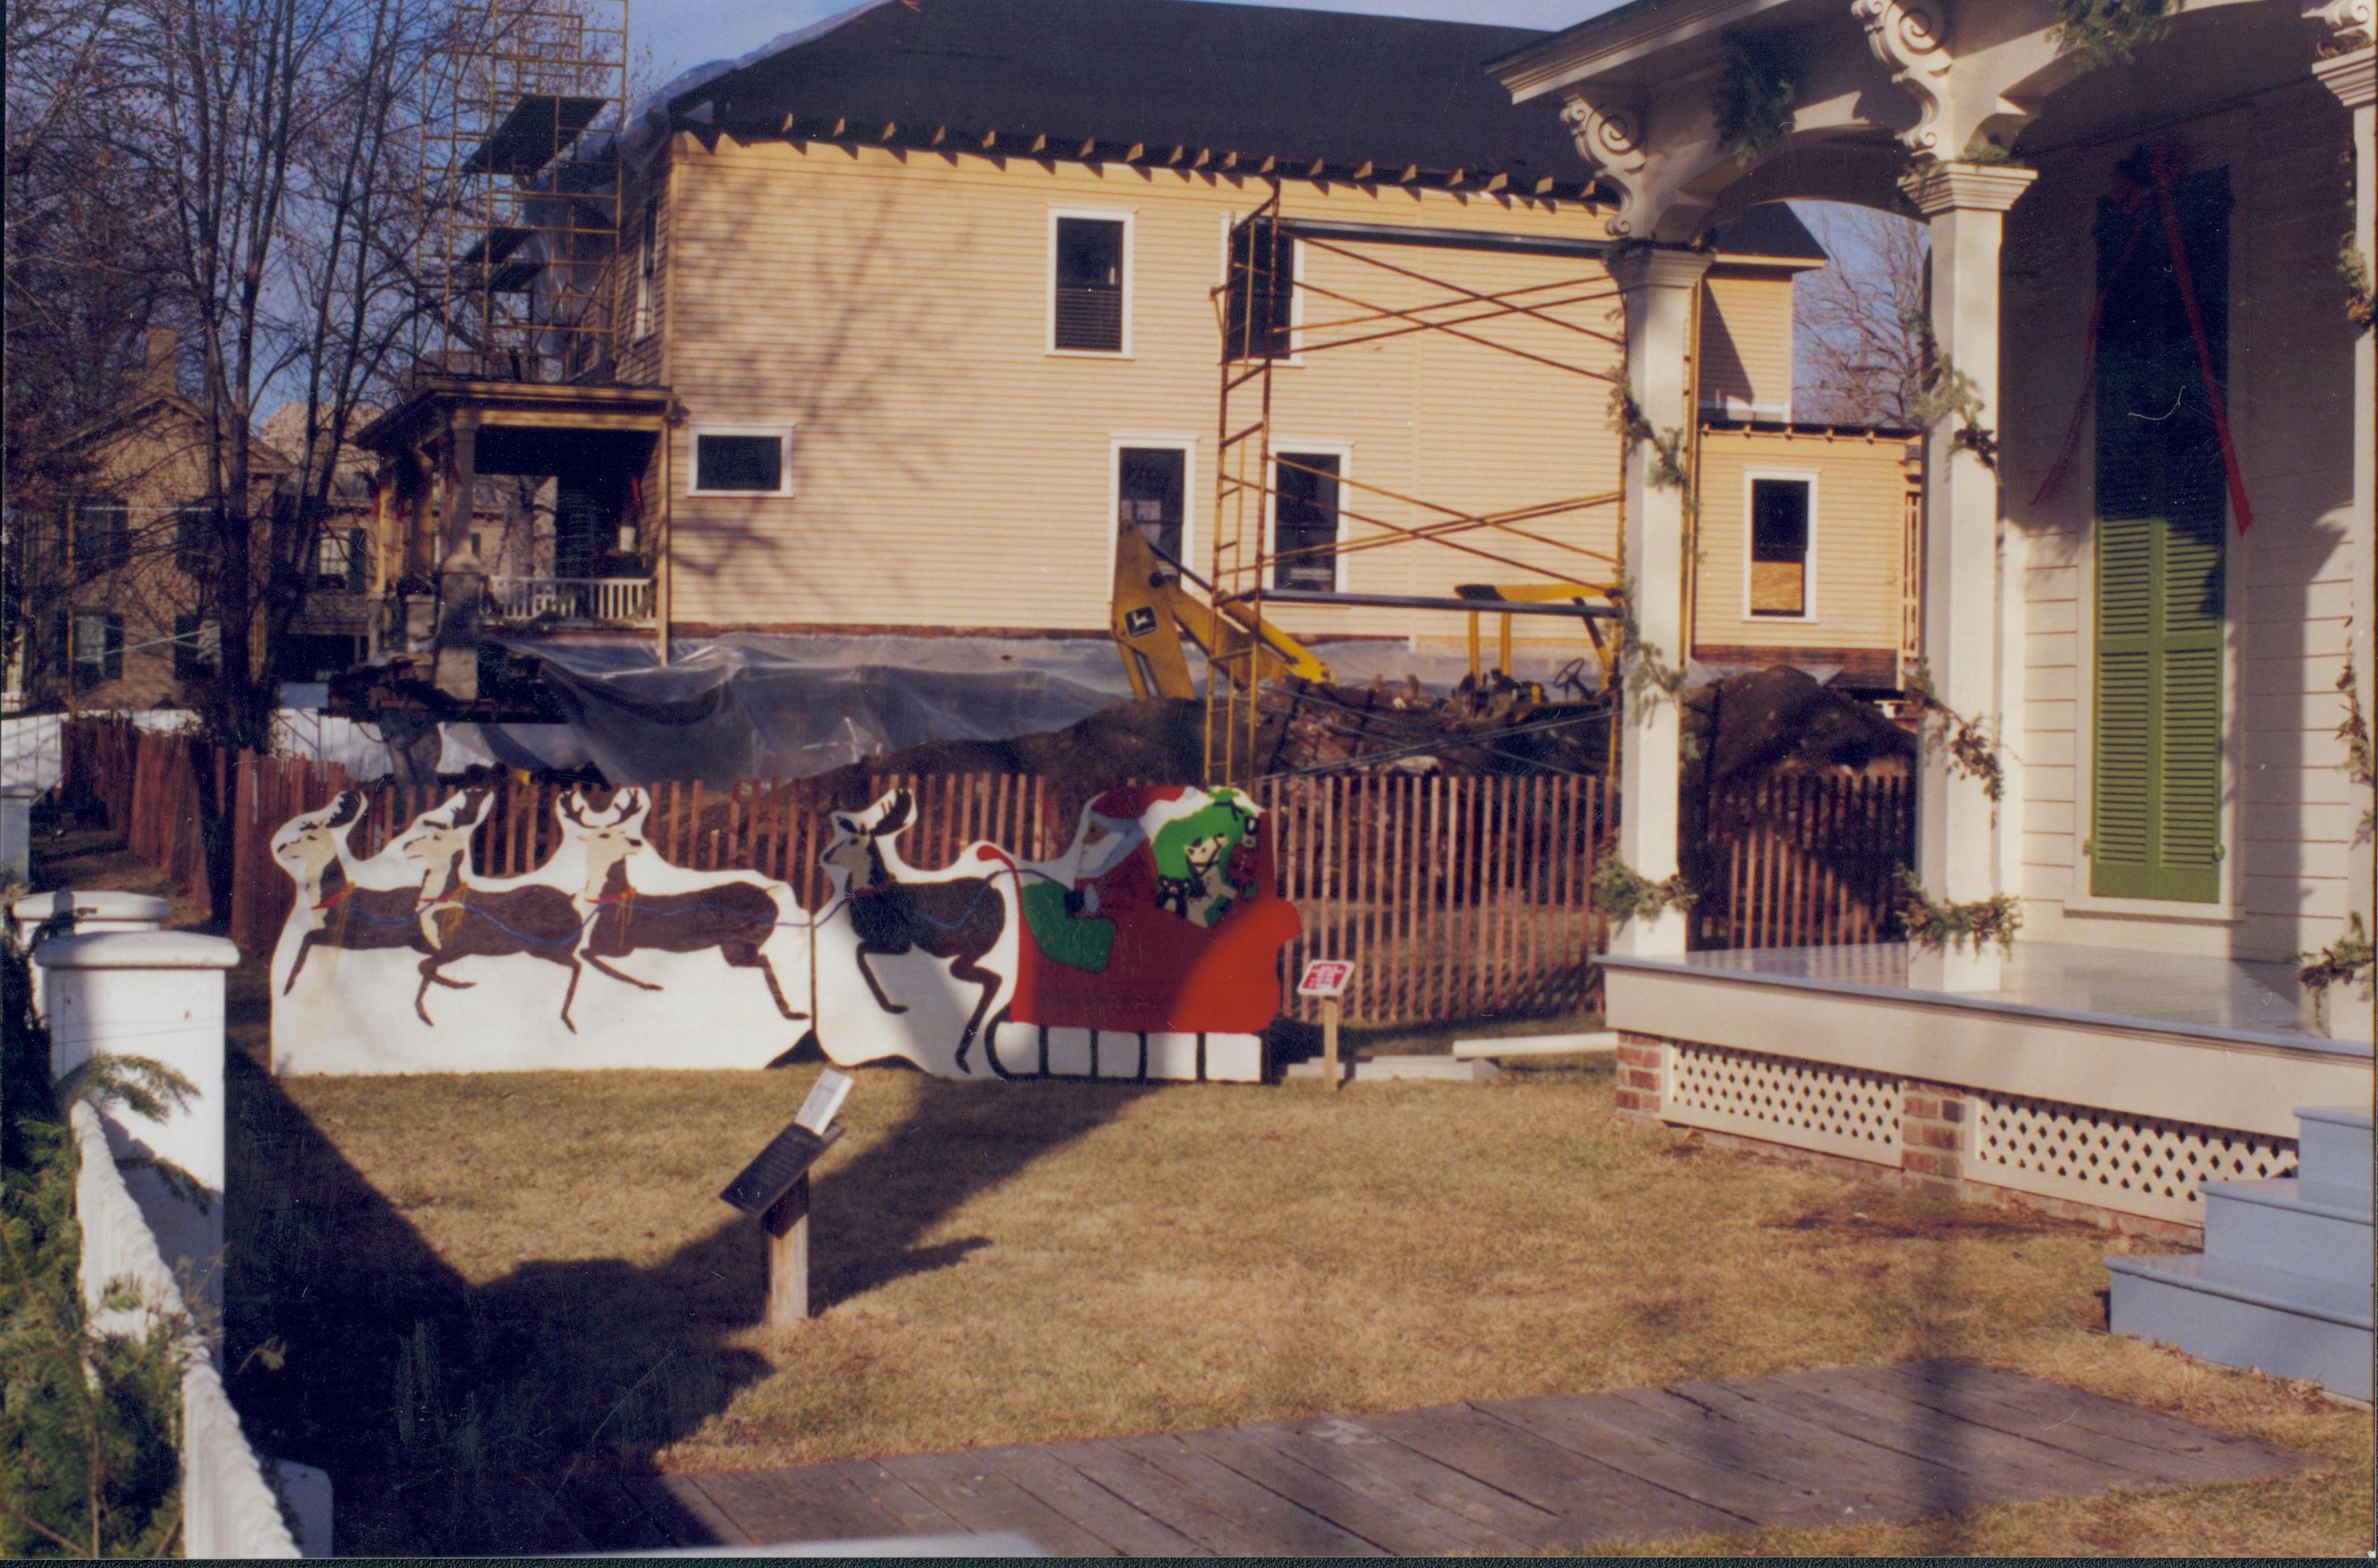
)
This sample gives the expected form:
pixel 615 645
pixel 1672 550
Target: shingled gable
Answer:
pixel 1360 96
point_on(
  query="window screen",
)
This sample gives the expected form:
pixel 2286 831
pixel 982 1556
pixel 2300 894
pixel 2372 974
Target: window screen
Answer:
pixel 1779 546
pixel 1089 285
pixel 1304 540
pixel 1262 294
pixel 738 463
pixel 1152 485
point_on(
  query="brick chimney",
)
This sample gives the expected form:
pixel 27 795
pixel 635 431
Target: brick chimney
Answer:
pixel 157 377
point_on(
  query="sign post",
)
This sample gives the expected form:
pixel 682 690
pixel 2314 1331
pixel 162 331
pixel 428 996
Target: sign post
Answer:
pixel 1326 978
pixel 776 1187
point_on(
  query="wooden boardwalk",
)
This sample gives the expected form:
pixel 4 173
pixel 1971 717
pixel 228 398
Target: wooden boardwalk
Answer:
pixel 1489 1477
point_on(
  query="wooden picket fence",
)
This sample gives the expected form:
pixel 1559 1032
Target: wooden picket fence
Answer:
pixel 1801 862
pixel 1457 897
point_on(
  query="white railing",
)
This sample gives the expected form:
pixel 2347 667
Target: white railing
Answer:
pixel 228 1509
pixel 571 601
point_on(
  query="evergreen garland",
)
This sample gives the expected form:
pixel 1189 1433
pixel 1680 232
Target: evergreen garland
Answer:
pixel 1966 741
pixel 1625 893
pixel 2347 959
pixel 1939 926
pixel 2108 32
pixel 1756 96
pixel 2353 276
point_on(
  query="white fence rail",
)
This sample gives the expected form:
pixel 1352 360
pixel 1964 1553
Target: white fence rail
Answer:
pixel 228 1508
pixel 583 601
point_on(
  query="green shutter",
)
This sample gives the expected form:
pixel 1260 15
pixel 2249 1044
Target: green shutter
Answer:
pixel 2161 515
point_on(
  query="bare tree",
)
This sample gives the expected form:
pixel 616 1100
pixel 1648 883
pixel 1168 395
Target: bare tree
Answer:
pixel 275 134
pixel 1859 319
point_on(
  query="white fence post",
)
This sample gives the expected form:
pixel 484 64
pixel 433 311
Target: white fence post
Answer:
pixel 160 995
pixel 17 832
pixel 228 1509
pixel 83 913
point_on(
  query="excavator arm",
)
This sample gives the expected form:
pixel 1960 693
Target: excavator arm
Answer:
pixel 1155 614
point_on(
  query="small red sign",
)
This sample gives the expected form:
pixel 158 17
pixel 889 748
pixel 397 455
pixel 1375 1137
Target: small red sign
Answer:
pixel 1325 977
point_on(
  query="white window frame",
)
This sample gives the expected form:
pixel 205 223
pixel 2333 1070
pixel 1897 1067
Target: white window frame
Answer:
pixel 1187 447
pixel 1343 451
pixel 1129 218
pixel 1295 354
pixel 1808 616
pixel 783 434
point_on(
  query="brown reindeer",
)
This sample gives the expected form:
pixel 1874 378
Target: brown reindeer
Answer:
pixel 735 919
pixel 313 849
pixel 458 919
pixel 960 919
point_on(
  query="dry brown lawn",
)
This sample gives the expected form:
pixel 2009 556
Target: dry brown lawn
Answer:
pixel 451 1290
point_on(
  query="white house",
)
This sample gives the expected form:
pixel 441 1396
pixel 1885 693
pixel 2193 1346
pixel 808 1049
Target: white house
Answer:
pixel 2149 572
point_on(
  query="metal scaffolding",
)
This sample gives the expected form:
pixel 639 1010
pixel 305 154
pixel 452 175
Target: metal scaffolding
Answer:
pixel 520 190
pixel 1258 306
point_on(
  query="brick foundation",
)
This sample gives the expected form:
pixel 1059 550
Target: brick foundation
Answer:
pixel 1642 1077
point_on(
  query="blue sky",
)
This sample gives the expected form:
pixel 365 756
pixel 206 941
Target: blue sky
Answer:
pixel 682 33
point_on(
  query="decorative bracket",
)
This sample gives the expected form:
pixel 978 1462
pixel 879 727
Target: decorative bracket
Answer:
pixel 1611 142
pixel 2348 22
pixel 1910 37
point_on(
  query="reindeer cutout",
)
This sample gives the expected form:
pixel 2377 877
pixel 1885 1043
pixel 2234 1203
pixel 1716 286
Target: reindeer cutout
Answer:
pixel 894 912
pixel 338 911
pixel 734 918
pixel 461 918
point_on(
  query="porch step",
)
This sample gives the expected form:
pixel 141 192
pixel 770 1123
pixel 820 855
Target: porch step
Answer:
pixel 2277 1322
pixel 2278 1223
pixel 1600 1041
pixel 2333 1150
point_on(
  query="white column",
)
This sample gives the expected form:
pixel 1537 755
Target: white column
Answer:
pixel 1957 825
pixel 158 995
pixel 2353 77
pixel 1659 288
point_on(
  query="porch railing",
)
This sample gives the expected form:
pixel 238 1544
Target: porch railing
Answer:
pixel 569 601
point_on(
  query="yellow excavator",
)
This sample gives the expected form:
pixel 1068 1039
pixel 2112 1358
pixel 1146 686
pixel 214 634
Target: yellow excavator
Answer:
pixel 1155 614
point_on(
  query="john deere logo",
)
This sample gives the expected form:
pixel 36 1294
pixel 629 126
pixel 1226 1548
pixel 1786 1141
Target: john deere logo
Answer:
pixel 1138 622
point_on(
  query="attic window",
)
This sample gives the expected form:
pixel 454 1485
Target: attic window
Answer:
pixel 1087 262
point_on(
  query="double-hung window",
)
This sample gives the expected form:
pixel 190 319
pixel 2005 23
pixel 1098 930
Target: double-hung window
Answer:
pixel 1780 537
pixel 98 647
pixel 1304 520
pixel 1089 285
pixel 1259 305
pixel 102 532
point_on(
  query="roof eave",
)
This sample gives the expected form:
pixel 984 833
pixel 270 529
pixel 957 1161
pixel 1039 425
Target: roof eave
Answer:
pixel 1615 41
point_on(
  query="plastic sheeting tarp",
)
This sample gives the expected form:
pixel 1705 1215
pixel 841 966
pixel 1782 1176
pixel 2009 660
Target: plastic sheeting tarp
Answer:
pixel 748 705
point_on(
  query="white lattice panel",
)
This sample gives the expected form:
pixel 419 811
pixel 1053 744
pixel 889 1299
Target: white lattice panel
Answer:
pixel 2132 1163
pixel 1804 1104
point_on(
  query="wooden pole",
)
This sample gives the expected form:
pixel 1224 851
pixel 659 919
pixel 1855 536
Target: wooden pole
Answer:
pixel 786 1225
pixel 1329 1041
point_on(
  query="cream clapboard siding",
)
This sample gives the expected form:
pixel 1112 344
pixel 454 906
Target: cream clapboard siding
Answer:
pixel 951 473
pixel 1746 343
pixel 1857 556
pixel 2288 823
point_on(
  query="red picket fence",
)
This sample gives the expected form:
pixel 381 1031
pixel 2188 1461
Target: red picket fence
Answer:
pixel 1455 897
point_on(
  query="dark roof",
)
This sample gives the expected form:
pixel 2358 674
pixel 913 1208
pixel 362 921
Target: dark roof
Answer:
pixel 1771 228
pixel 1261 81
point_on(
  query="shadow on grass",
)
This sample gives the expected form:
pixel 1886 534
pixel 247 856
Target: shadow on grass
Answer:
pixel 488 1419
